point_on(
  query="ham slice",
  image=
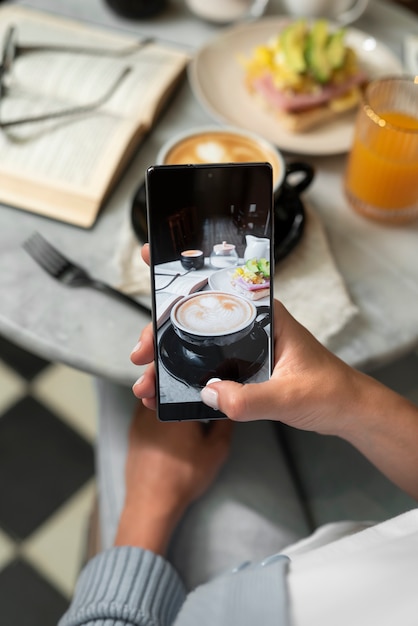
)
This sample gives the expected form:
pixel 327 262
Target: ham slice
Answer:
pixel 288 101
pixel 251 286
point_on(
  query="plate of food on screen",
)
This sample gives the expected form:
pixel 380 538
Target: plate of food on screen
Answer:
pixel 251 280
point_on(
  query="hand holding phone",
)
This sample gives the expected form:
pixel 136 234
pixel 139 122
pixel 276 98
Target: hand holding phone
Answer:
pixel 210 234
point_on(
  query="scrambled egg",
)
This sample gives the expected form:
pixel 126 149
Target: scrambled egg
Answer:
pixel 270 58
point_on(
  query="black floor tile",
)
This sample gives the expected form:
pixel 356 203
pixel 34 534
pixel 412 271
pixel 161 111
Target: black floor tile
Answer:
pixel 26 364
pixel 27 599
pixel 42 463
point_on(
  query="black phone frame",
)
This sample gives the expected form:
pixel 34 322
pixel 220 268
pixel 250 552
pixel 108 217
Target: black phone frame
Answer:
pixel 178 177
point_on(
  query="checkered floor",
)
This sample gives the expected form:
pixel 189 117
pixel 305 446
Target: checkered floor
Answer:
pixel 47 481
pixel 47 484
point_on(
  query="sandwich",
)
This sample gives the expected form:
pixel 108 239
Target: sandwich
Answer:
pixel 306 75
pixel 252 280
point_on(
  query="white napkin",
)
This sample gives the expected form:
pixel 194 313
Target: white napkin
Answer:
pixel 307 281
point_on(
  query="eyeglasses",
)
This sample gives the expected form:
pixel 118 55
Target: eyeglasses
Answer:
pixel 12 50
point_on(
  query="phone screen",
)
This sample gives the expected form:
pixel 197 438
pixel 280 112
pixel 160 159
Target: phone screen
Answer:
pixel 210 233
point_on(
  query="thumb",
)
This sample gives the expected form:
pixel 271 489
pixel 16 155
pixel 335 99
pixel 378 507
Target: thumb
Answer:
pixel 241 403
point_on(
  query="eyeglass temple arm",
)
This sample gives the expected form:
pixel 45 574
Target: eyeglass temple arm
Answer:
pixel 74 110
pixel 26 49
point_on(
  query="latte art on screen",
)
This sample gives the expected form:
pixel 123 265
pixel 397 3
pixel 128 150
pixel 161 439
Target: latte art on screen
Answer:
pixel 212 313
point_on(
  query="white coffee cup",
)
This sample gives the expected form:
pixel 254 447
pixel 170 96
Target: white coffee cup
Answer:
pixel 227 11
pixel 341 11
pixel 227 144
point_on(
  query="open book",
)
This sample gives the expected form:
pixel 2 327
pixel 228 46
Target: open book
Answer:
pixel 65 167
pixel 181 286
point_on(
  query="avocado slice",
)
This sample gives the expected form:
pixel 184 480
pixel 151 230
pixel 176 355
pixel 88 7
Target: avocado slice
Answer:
pixel 316 51
pixel 293 45
pixel 252 265
pixel 336 50
pixel 264 267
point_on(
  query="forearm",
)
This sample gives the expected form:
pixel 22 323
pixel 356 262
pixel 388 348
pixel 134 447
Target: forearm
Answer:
pixel 383 426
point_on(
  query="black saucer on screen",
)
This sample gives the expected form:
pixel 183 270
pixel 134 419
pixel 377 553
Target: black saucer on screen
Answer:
pixel 196 368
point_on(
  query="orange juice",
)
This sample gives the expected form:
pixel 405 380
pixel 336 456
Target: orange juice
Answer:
pixel 382 171
pixel 383 166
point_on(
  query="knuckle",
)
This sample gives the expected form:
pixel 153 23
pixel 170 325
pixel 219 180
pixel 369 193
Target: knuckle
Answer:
pixel 235 405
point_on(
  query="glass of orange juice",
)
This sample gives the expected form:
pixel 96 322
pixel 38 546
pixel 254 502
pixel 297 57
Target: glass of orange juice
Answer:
pixel 381 179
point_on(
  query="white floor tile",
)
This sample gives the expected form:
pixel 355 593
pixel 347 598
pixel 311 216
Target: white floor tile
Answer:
pixel 12 387
pixel 70 393
pixel 57 548
pixel 7 550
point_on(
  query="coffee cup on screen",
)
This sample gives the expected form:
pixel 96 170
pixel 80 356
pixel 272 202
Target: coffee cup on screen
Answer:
pixel 215 144
pixel 192 259
pixel 215 318
pixel 341 11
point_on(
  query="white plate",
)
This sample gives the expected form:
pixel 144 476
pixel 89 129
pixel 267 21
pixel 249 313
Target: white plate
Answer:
pixel 216 78
pixel 221 281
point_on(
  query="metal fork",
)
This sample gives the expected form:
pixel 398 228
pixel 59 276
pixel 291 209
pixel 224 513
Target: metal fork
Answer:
pixel 69 273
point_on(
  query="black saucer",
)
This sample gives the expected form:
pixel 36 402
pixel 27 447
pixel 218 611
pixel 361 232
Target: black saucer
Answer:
pixel 289 222
pixel 289 211
pixel 237 362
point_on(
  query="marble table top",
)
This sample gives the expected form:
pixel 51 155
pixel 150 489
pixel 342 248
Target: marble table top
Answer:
pixel 94 333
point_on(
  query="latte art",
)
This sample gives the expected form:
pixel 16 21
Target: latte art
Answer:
pixel 214 151
pixel 214 314
pixel 221 147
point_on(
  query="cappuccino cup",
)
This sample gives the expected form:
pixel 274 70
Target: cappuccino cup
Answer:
pixel 341 11
pixel 222 145
pixel 215 318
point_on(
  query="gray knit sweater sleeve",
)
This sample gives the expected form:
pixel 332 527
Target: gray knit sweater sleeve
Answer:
pixel 126 586
pixel 132 587
pixel 252 594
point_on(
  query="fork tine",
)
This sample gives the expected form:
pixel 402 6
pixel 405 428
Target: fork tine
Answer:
pixel 44 245
pixel 45 254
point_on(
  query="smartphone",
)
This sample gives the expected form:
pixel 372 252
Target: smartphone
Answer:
pixel 210 230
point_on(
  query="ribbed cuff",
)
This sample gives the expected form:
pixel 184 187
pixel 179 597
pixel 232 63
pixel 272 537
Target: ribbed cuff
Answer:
pixel 128 585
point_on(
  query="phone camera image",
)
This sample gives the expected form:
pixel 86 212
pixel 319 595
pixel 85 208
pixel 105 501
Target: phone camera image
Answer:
pixel 210 230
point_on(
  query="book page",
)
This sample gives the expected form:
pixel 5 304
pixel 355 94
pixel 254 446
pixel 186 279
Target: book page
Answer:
pixel 79 79
pixel 164 302
pixel 84 152
pixel 181 286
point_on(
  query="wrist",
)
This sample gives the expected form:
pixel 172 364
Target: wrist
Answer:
pixel 364 408
pixel 148 527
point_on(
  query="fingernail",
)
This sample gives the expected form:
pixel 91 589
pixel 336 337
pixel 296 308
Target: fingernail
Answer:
pixel 210 397
pixel 138 382
pixel 213 380
pixel 137 347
